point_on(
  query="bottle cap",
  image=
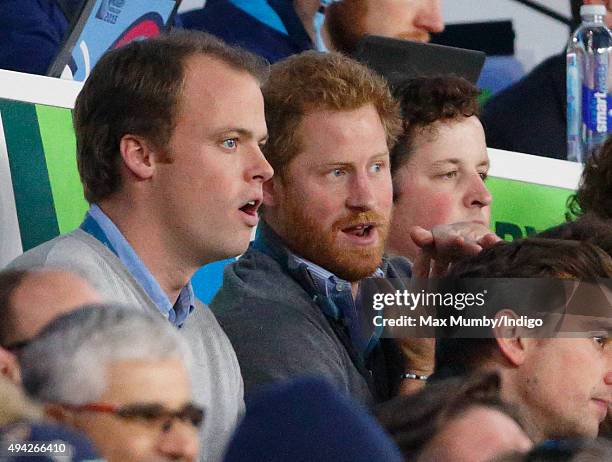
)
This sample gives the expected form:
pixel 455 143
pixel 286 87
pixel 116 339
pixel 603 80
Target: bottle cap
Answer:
pixel 591 10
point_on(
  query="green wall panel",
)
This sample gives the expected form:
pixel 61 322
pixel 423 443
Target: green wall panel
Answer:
pixel 60 151
pixel 32 189
pixel 520 209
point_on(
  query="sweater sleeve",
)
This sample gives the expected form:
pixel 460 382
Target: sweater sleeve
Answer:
pixel 275 342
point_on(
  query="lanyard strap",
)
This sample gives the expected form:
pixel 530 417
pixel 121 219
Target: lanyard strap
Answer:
pixel 91 227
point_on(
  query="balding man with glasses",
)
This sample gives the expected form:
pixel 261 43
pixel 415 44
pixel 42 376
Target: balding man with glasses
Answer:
pixel 121 377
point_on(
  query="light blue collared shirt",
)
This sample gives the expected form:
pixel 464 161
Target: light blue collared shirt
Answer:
pixel 116 242
pixel 339 291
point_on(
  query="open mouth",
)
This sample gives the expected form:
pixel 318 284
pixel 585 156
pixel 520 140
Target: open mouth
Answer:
pixel 361 231
pixel 250 208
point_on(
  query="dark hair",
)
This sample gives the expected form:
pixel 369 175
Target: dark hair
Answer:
pixel 136 89
pixel 314 81
pixel 587 228
pixel 525 258
pixel 595 191
pixel 413 420
pixel 9 281
pixel 425 100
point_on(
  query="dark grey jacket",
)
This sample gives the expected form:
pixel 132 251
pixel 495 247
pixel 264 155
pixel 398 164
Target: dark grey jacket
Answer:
pixel 267 308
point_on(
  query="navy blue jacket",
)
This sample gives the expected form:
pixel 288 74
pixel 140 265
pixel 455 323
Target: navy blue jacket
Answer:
pixel 31 33
pixel 237 27
pixel 530 115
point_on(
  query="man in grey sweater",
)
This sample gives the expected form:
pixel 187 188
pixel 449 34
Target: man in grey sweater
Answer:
pixel 171 164
pixel 288 305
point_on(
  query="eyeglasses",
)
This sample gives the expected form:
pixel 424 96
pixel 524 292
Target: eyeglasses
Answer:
pixel 154 414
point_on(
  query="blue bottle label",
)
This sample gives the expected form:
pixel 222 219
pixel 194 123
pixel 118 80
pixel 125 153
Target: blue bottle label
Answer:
pixel 596 110
pixel 596 101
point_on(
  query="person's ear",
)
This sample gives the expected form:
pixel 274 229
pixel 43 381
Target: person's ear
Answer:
pixel 138 156
pixel 271 191
pixel 9 366
pixel 509 340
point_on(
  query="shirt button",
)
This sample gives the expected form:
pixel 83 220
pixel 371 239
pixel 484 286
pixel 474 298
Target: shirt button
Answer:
pixel 339 286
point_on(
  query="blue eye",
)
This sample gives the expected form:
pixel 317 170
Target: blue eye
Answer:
pixel 600 340
pixel 337 172
pixel 230 143
pixel 377 167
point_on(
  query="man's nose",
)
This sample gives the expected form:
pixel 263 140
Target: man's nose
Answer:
pixel 259 168
pixel 478 194
pixel 361 195
pixel 180 442
pixel 430 17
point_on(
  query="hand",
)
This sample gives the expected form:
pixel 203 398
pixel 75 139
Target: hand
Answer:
pixel 445 244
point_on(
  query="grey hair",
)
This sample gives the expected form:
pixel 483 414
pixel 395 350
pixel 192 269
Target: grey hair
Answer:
pixel 66 362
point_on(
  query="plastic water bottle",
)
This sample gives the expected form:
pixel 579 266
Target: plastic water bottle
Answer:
pixel 589 102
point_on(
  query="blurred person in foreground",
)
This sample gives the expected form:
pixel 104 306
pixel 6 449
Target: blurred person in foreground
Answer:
pixel 338 429
pixel 29 300
pixel 559 380
pixel 439 422
pixel 587 227
pixel 22 424
pixel 119 376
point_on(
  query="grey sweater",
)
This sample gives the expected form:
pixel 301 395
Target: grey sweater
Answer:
pixel 216 378
pixel 279 332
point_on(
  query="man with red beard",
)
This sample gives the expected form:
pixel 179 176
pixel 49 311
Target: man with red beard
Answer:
pixel 290 304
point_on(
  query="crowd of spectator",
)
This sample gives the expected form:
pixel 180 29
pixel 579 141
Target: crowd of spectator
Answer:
pixel 346 182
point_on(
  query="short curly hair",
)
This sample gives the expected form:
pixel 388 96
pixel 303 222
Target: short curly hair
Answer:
pixel 595 191
pixel 426 100
pixel 312 81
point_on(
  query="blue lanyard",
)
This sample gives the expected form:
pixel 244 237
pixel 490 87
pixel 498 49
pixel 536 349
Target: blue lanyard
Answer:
pixel 91 227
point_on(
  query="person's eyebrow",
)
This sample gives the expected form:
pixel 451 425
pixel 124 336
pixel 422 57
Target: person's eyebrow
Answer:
pixel 456 161
pixel 350 164
pixel 240 131
pixel 380 155
pixel 451 160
